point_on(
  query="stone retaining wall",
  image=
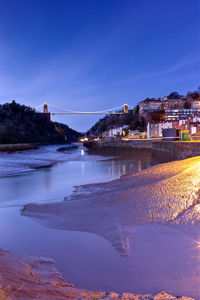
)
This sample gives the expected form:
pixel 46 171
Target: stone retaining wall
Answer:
pixel 137 144
pixel 173 149
pixel 177 150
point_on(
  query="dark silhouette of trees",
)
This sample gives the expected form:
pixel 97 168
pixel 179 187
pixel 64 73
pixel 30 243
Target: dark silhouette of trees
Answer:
pixel 195 95
pixel 174 95
pixel 21 124
pixel 187 105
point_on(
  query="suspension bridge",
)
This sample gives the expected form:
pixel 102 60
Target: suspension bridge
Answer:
pixel 120 110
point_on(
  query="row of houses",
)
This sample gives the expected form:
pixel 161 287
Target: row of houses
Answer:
pixel 169 130
pixel 171 116
pixel 151 105
pixel 185 121
pixel 163 129
pixel 182 120
pixel 164 117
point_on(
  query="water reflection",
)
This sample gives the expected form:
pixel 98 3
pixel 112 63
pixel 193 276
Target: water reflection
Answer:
pixel 112 168
pixel 76 168
pixel 139 165
pixel 47 180
pixel 82 168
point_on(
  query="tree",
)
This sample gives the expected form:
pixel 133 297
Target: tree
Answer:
pixel 174 95
pixel 20 124
pixel 187 105
pixel 195 95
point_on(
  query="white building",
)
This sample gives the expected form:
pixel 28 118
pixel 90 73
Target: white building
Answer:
pixel 150 105
pixel 196 104
pixel 196 119
pixel 154 130
pixel 193 129
pixel 114 131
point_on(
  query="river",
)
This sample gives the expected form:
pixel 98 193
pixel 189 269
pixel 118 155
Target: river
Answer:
pixel 161 257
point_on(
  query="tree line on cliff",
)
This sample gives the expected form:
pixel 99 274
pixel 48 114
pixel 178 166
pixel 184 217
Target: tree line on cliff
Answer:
pixel 21 124
pixel 131 119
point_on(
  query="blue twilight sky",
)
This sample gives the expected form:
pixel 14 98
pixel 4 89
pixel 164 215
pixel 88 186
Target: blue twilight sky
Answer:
pixel 97 54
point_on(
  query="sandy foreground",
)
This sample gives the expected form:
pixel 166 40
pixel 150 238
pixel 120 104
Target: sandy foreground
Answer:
pixel 163 194
pixel 26 277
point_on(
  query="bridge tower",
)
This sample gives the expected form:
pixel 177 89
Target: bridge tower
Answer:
pixel 45 110
pixel 125 108
pixel 46 113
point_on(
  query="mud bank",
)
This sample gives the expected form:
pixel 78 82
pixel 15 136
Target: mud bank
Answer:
pixel 44 156
pixel 17 147
pixel 28 277
pixel 164 194
pixel 19 162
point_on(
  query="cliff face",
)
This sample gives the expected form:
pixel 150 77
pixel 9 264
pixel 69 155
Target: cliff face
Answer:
pixel 21 124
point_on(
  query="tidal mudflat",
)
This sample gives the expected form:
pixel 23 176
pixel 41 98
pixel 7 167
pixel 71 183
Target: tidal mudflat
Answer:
pixel 136 234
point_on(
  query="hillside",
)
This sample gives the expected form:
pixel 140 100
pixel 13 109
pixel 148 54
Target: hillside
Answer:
pixel 21 124
pixel 131 119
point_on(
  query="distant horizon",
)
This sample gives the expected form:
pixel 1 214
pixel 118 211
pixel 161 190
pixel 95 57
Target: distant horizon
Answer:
pixel 95 55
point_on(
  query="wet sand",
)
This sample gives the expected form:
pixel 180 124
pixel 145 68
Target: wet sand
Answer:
pixel 166 194
pixel 28 277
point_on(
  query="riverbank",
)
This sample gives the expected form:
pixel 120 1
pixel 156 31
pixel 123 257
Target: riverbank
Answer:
pixel 29 146
pixel 16 159
pixel 28 277
pixel 173 149
pixel 17 147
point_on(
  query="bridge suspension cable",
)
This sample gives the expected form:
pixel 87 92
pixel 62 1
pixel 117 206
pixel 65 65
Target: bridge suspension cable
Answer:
pixel 39 106
pixel 69 111
pixel 74 111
